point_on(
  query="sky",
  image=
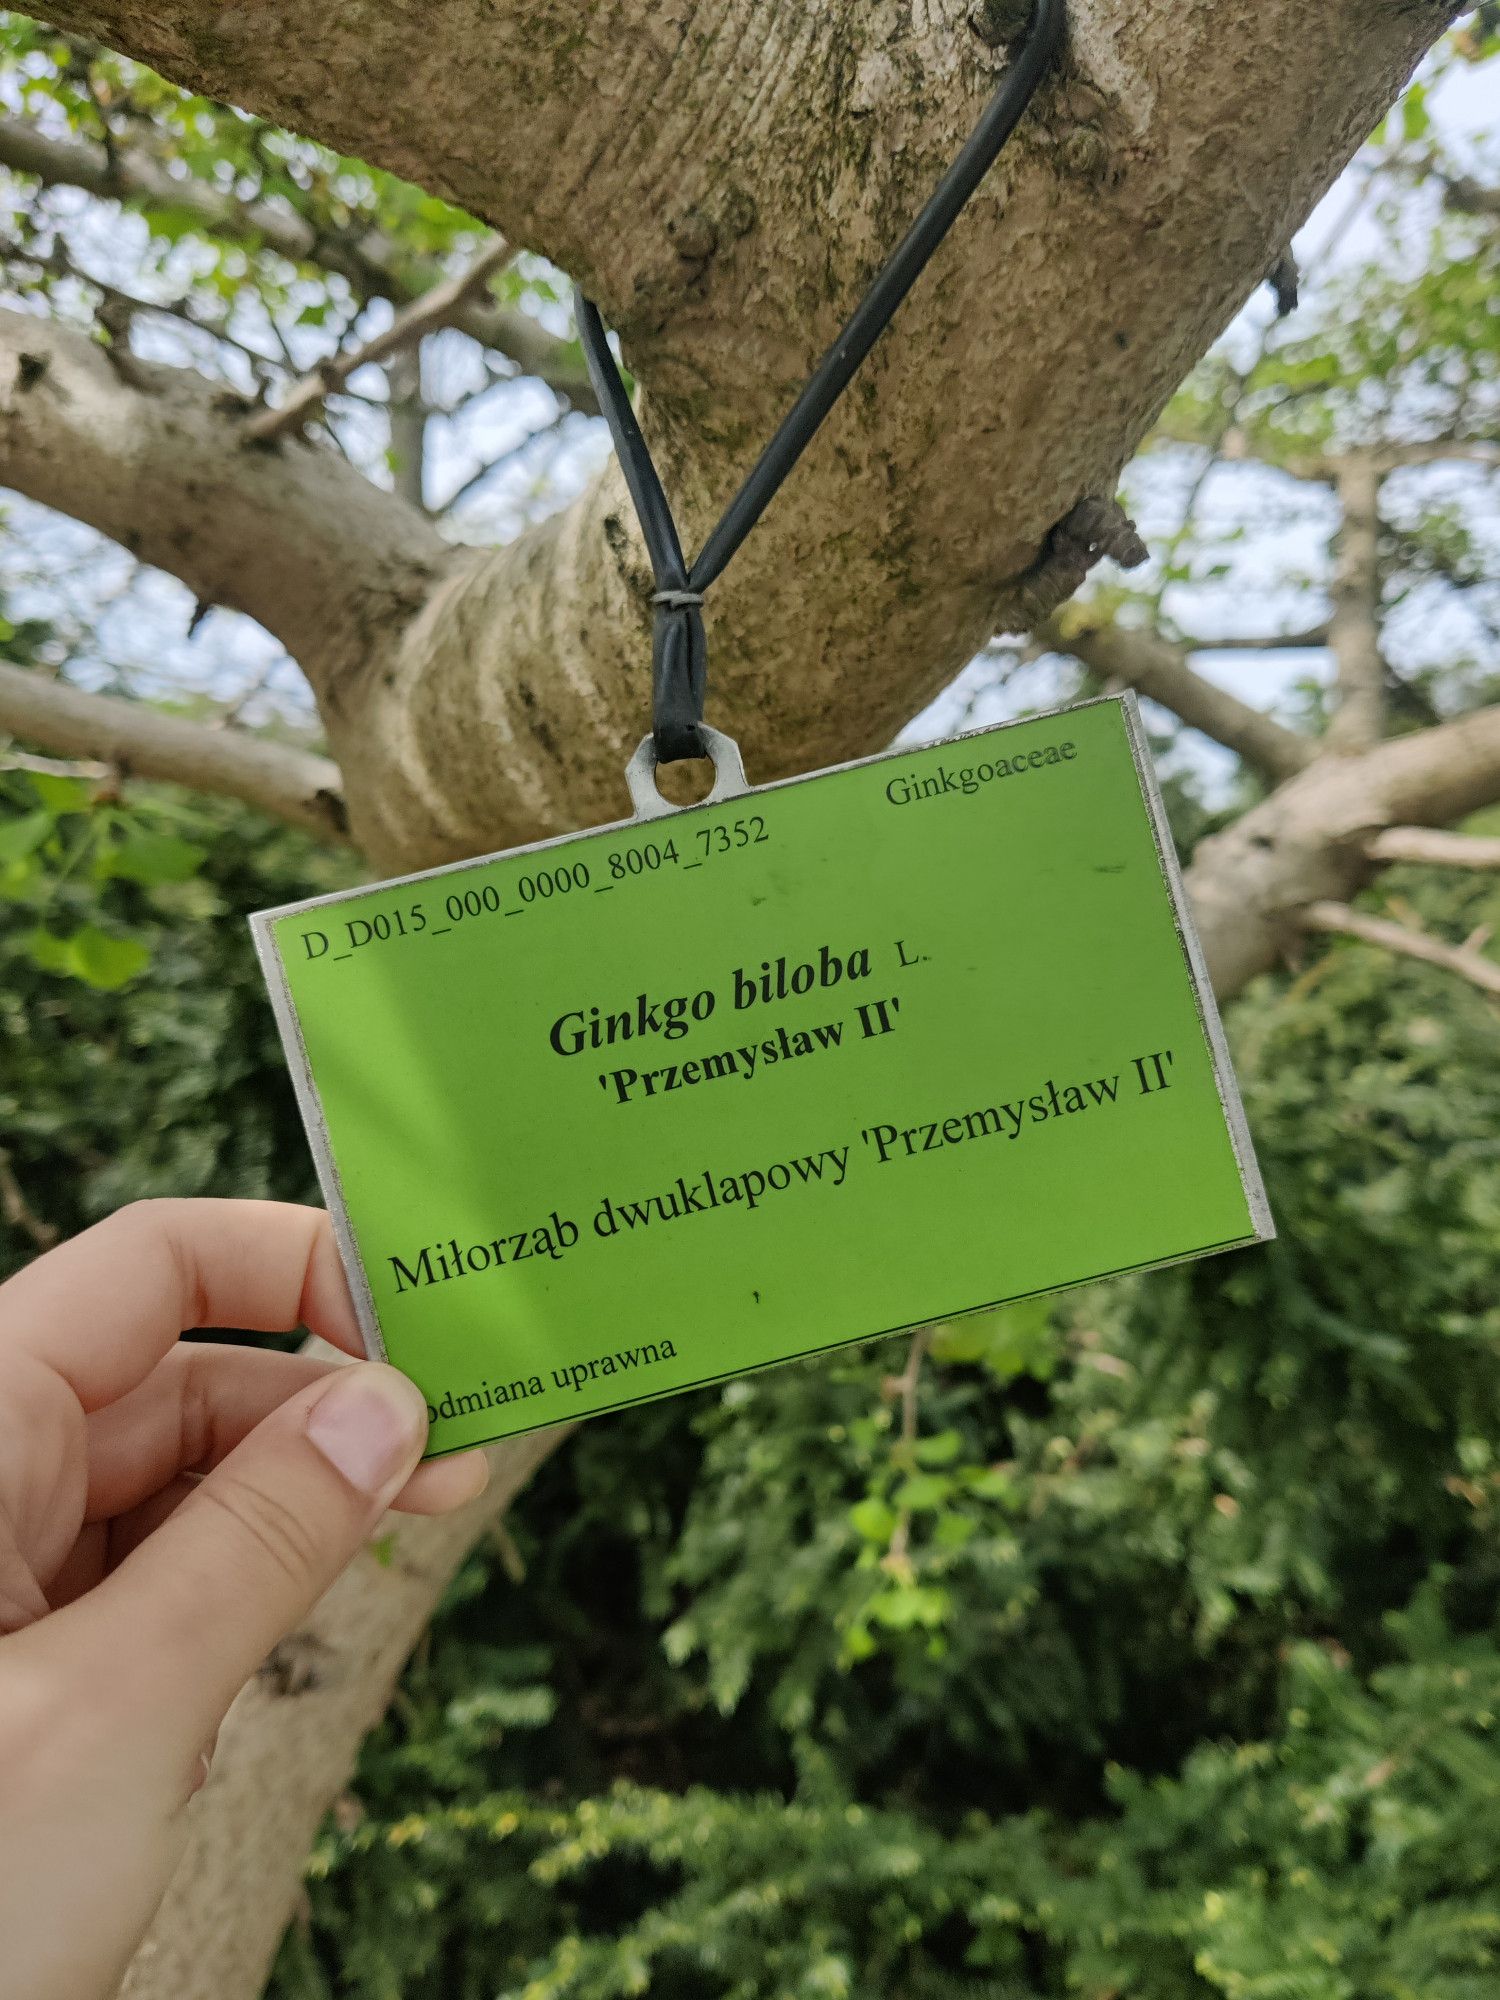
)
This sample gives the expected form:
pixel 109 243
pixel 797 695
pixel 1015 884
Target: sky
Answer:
pixel 1284 525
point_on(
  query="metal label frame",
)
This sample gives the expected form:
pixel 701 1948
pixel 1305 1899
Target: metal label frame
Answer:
pixel 730 787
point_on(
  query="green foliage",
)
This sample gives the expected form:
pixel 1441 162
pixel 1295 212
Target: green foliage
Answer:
pixel 139 1057
pixel 1349 1855
pixel 1156 1657
pixel 58 834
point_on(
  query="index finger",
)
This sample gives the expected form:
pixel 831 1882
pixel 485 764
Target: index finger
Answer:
pixel 104 1308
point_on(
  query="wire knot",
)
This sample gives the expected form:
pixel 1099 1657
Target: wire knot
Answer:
pixel 679 646
pixel 679 674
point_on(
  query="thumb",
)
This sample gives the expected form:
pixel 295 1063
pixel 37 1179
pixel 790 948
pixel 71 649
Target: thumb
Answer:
pixel 202 1601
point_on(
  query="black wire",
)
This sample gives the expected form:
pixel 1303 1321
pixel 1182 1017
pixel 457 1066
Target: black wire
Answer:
pixel 680 646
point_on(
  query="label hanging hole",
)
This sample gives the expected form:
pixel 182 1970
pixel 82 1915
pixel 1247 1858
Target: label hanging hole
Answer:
pixel 729 775
pixel 686 782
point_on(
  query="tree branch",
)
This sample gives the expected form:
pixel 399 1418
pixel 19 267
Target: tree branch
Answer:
pixel 18 1211
pixel 1309 842
pixel 129 736
pixel 435 308
pixel 366 261
pixel 907 1387
pixel 1328 468
pixel 1467 196
pixel 1310 640
pixel 135 176
pixel 1141 659
pixel 1354 629
pixel 91 769
pixel 466 487
pixel 1464 960
pixel 288 1744
pixel 408 412
pixel 290 534
pixel 1428 847
pixel 117 308
pixel 1437 451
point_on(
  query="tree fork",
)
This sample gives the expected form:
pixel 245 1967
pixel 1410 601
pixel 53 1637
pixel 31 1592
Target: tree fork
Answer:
pixel 670 164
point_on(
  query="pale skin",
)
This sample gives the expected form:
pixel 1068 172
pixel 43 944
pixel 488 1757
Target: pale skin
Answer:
pixel 168 1511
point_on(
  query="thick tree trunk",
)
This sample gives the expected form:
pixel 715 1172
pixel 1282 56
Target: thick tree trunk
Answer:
pixel 724 176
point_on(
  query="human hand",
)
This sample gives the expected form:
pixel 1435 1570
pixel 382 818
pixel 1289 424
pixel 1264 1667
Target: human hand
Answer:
pixel 167 1513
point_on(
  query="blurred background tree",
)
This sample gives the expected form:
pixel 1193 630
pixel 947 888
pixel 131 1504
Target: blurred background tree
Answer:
pixel 1137 1643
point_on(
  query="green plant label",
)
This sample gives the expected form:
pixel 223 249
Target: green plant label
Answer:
pixel 636 1110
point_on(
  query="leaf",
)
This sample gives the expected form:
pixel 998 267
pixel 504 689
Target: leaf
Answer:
pixel 51 953
pixel 152 857
pixel 941 1449
pixel 874 1519
pixel 1416 120
pixel 91 955
pixel 22 836
pixel 859 1644
pixel 172 224
pixel 59 794
pixel 104 961
pixel 910 1604
pixel 1015 1340
pixel 992 1484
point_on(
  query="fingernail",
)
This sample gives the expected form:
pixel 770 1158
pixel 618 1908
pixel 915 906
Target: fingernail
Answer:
pixel 369 1424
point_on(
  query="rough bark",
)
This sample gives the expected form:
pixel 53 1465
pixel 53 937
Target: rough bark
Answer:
pixel 724 176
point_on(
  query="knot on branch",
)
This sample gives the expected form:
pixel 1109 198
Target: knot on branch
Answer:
pixel 998 23
pixel 299 1665
pixel 1285 280
pixel 1089 532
